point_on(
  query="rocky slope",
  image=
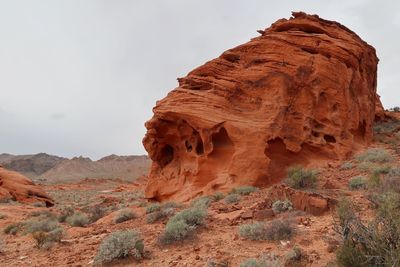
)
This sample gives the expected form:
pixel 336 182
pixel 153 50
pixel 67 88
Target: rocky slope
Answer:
pixel 303 92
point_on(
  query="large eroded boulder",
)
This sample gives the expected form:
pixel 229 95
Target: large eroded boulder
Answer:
pixel 17 187
pixel 305 90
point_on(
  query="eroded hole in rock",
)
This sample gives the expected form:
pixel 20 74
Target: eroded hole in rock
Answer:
pixel 166 156
pixel 329 138
pixel 281 158
pixel 188 146
pixel 221 142
pixel 199 147
pixel 310 50
pixel 315 134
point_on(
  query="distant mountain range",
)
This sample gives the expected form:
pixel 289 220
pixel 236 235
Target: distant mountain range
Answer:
pixel 53 169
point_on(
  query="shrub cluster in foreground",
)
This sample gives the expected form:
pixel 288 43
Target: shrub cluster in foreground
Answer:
pixel 297 177
pixel 120 245
pixel 278 229
pixel 373 243
pixel 183 224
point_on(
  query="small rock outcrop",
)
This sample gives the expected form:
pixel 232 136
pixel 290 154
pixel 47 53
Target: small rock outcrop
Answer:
pixel 303 91
pixel 15 186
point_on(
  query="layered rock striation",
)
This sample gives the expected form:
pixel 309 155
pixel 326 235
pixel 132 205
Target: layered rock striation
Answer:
pixel 305 90
pixel 15 186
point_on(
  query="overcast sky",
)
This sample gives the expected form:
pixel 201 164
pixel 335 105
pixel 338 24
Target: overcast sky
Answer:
pixel 80 77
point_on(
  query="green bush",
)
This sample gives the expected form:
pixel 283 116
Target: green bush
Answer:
pixel 120 245
pixel 265 260
pixel 183 224
pixel 12 229
pixel 192 216
pixel 293 255
pixel 153 207
pixel 218 196
pixel 157 212
pixel 45 240
pixel 252 231
pixel 203 201
pixel 124 215
pixel 373 243
pixel 78 219
pixel 346 166
pixel 282 206
pixel 357 182
pixel 377 155
pixel 244 190
pixel 176 231
pixel 279 229
pixel 96 212
pixel 160 215
pixel 65 212
pixel 43 214
pixel 44 225
pixel 232 198
pixel 300 178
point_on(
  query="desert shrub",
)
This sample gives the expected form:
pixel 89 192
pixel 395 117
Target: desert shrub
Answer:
pixel 161 211
pixel 386 127
pixel 298 177
pixel 232 198
pixel 78 219
pixel 218 196
pixel 373 243
pixel 279 229
pixel 170 204
pixel 215 263
pixel 293 255
pixel 43 214
pixel 203 201
pixel 96 212
pixel 183 224
pixel 3 216
pixel 374 180
pixel 346 166
pixel 176 231
pixel 160 215
pixel 357 182
pixel 12 229
pixel 192 216
pixel 391 181
pixel 153 207
pixel 44 240
pixel 120 245
pixel 265 260
pixel 252 231
pixel 244 190
pixel 396 109
pixel 378 155
pixel 43 225
pixel 124 215
pixel 282 205
pixel 65 212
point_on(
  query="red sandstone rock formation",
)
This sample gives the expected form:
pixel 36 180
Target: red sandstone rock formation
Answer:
pixel 304 90
pixel 19 188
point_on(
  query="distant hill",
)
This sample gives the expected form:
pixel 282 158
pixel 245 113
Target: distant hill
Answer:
pixel 53 169
pixel 30 165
